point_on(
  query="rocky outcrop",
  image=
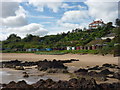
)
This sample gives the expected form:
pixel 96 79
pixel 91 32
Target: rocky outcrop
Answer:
pixel 116 75
pixel 109 65
pixel 105 72
pixel 81 71
pixel 81 84
pixel 69 61
pixel 16 64
pixel 95 68
pixel 17 86
pixel 45 65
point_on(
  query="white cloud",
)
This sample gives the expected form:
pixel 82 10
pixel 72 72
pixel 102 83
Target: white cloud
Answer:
pixel 74 16
pixel 74 19
pixel 33 28
pixel 81 7
pixel 52 4
pixel 8 9
pixel 103 0
pixel 13 0
pixel 66 6
pixel 41 16
pixel 108 11
pixel 21 11
pixel 14 21
pixel 69 25
pixel 13 15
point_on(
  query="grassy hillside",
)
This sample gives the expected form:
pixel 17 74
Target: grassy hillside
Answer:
pixel 76 37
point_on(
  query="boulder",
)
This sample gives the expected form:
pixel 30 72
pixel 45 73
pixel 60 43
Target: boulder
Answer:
pixel 103 78
pixel 81 71
pixel 44 65
pixel 19 68
pixel 105 72
pixel 92 73
pixel 95 68
pixel 108 65
pixel 18 86
pixel 116 75
pixel 25 75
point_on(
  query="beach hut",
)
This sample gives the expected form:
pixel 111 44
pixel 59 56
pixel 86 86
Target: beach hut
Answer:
pixel 48 49
pixel 32 49
pixel 63 48
pixel 93 47
pixel 42 49
pixel 89 47
pixel 81 47
pixel 69 48
pixel 85 48
pixel 73 48
pixel 78 48
pixel 54 49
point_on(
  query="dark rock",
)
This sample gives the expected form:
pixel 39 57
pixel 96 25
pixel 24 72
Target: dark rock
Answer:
pixel 104 78
pixel 107 86
pixel 81 71
pixel 19 68
pixel 116 75
pixel 108 65
pixel 92 73
pixel 39 84
pixel 25 75
pixel 73 80
pixel 105 72
pixel 95 68
pixel 43 66
pixel 69 61
pixel 74 84
pixel 20 84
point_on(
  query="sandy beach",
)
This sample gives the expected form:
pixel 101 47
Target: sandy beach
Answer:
pixel 84 60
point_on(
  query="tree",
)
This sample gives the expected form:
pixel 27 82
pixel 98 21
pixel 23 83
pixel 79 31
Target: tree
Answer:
pixel 117 22
pixel 13 38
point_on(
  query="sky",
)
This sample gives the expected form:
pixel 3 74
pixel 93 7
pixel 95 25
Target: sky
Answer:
pixel 50 17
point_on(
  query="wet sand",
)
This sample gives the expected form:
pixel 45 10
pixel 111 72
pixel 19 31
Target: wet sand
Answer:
pixel 7 75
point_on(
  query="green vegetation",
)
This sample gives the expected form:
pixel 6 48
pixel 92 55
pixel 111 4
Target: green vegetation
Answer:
pixel 68 51
pixel 76 37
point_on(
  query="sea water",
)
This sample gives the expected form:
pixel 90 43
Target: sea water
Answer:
pixel 8 76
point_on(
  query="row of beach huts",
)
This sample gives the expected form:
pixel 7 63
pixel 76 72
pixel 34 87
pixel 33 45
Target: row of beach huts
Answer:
pixel 92 47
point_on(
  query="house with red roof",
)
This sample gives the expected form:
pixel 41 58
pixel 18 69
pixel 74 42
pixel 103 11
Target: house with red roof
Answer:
pixel 96 24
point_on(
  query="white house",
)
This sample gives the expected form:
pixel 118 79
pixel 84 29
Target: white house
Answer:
pixel 96 24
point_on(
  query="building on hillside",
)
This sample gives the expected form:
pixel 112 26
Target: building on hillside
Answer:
pixel 73 48
pixel 48 49
pixel 69 48
pixel 96 24
pixel 32 49
pixel 78 48
pixel 93 47
pixel 110 36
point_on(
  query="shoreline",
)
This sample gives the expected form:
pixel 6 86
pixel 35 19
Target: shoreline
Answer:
pixel 84 60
